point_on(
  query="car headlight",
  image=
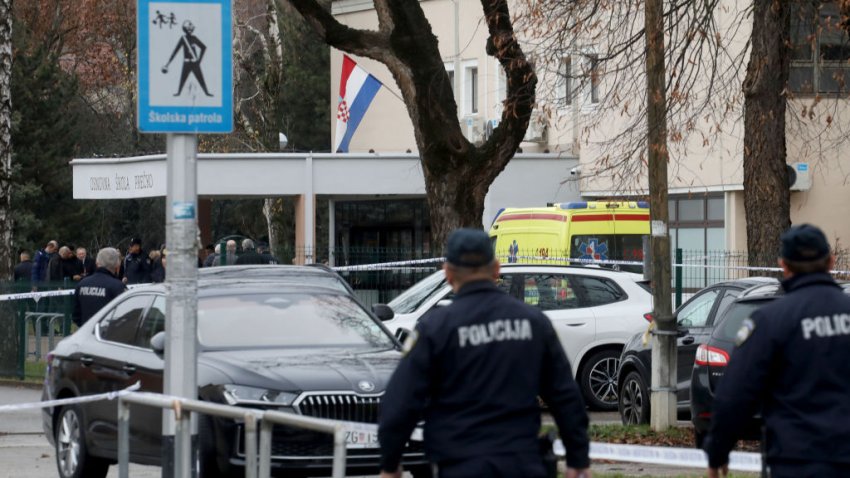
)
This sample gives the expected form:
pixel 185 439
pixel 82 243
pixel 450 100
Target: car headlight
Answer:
pixel 240 394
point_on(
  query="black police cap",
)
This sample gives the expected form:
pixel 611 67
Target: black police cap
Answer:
pixel 136 241
pixel 469 248
pixel 804 243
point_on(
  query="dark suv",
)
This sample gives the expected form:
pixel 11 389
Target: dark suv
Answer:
pixel 713 356
pixel 696 321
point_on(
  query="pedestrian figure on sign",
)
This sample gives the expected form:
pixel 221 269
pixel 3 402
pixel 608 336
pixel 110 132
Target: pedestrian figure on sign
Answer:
pixel 160 19
pixel 172 20
pixel 193 55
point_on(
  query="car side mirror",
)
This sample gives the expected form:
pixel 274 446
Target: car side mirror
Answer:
pixel 402 334
pixel 158 343
pixel 383 312
pixel 444 303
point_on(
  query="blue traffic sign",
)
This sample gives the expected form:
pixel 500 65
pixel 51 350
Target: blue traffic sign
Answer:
pixel 185 66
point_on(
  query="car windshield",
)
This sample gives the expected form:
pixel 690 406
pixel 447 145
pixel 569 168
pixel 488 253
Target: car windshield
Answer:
pixel 609 247
pixel 412 298
pixel 734 317
pixel 286 320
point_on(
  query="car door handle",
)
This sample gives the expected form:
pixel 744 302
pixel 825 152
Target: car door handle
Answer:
pixel 129 368
pixel 576 325
pixel 688 340
pixel 86 361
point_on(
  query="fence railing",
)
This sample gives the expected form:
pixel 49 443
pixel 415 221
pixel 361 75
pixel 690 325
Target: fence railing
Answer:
pixel 254 466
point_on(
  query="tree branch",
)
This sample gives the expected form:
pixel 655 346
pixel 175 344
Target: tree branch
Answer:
pixel 370 44
pixel 521 84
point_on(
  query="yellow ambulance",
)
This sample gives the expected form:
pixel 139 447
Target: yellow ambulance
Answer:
pixel 585 230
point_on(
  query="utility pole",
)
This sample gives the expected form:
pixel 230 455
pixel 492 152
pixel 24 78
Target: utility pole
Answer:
pixel 663 387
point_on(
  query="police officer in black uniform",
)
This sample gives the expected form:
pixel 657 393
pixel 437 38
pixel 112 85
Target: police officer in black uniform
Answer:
pixel 98 289
pixel 793 364
pixel 137 264
pixel 474 371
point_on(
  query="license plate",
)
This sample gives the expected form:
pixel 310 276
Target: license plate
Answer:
pixel 361 439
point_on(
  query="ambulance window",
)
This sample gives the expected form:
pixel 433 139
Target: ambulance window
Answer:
pixel 552 291
pixel 598 291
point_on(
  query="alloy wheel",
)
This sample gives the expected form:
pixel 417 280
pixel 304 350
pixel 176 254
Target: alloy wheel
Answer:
pixel 603 380
pixel 632 403
pixel 68 443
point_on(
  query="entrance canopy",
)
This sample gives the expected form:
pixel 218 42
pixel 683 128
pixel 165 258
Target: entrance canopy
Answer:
pixel 529 180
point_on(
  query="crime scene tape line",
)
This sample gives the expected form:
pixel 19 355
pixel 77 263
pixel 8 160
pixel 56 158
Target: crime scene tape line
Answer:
pixel 36 295
pixel 70 401
pixel 389 265
pixel 669 456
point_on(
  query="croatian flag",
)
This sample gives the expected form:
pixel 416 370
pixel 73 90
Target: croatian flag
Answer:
pixel 356 90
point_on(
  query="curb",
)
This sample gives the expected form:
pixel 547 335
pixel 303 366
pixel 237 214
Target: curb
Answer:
pixel 11 382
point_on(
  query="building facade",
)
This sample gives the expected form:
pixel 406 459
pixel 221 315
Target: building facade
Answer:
pixel 585 116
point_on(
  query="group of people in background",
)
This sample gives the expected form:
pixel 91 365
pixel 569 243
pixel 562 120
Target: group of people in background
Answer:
pixel 54 264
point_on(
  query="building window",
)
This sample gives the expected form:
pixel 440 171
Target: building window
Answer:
pixel 819 62
pixel 697 223
pixel 471 89
pixel 567 81
pixel 593 69
pixel 697 226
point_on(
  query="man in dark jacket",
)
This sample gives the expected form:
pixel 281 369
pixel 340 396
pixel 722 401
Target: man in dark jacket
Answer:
pixel 251 256
pixel 40 266
pixel 792 364
pixel 23 271
pixel 474 371
pixel 98 289
pixel 64 265
pixel 137 264
pixel 86 260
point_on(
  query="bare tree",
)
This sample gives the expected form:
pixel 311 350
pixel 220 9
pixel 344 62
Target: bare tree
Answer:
pixel 458 174
pixel 767 198
pixel 5 138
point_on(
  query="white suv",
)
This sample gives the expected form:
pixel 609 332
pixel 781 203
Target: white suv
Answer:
pixel 595 311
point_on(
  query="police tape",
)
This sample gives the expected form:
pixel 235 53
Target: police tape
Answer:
pixel 70 401
pixel 665 456
pixel 36 295
pixel 389 265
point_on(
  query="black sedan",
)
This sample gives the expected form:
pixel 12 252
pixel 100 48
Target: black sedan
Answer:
pixel 695 320
pixel 266 342
pixel 713 357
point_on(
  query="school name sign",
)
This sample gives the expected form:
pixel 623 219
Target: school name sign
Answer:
pixel 185 66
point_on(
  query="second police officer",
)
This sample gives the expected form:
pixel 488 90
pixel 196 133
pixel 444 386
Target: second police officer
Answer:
pixel 792 364
pixel 97 290
pixel 474 371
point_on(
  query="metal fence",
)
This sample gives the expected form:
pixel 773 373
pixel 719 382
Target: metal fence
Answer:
pixel 31 324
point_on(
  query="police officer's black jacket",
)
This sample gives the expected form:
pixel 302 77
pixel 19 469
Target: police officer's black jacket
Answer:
pixel 94 292
pixel 137 268
pixel 473 372
pixel 795 365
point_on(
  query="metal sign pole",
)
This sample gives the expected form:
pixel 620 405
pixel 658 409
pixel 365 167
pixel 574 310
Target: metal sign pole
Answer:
pixel 181 300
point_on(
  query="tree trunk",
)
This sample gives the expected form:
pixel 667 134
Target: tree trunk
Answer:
pixel 5 139
pixel 767 196
pixel 457 173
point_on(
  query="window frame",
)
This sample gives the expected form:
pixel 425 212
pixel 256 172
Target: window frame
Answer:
pixel 815 27
pixel 97 330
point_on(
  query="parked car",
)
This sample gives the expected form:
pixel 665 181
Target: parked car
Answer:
pixel 712 357
pixel 594 311
pixel 265 340
pixel 696 321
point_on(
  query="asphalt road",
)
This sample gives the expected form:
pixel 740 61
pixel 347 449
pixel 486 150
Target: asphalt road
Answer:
pixel 24 451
